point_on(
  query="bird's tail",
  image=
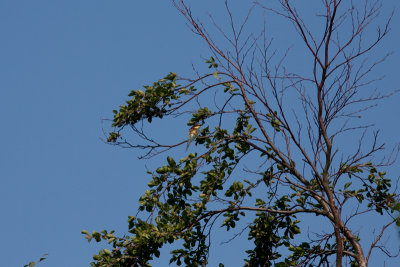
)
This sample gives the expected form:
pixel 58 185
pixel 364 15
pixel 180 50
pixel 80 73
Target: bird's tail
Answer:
pixel 188 144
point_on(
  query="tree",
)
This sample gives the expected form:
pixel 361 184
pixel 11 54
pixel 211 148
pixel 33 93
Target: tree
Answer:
pixel 260 155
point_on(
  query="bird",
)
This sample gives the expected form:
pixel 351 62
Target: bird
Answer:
pixel 193 133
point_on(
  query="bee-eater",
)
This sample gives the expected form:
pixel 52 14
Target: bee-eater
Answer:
pixel 193 133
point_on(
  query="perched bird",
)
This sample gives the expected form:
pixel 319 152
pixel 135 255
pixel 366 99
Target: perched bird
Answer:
pixel 193 133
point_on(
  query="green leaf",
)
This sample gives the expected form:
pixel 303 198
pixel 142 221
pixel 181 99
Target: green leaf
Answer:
pixel 171 161
pixel 347 185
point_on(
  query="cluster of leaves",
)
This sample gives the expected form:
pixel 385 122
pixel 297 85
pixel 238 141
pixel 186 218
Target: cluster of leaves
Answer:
pixel 170 222
pixel 156 101
pixel 270 232
pixel 375 188
pixel 34 263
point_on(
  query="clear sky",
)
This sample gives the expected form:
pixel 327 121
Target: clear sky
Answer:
pixel 65 65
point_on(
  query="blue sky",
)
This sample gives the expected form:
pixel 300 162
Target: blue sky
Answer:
pixel 65 65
